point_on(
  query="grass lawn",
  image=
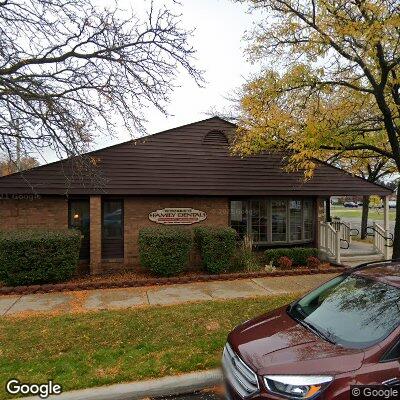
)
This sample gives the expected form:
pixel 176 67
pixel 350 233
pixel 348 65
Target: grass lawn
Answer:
pixel 340 211
pixel 93 349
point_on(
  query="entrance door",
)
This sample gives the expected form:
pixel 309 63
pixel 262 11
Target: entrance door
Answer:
pixel 79 218
pixel 112 229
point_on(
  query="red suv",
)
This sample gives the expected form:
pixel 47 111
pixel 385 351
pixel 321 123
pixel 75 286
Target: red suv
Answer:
pixel 346 332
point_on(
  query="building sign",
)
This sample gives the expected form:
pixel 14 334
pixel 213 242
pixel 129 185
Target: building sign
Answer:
pixel 177 216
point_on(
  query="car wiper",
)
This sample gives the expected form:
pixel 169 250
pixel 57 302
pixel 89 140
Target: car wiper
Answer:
pixel 324 335
pixel 298 308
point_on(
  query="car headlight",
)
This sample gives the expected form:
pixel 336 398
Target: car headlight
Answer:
pixel 297 386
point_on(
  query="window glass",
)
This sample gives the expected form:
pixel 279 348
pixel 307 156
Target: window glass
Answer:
pixel 308 219
pixel 271 220
pixel 112 219
pixel 278 223
pixel 393 353
pixel 353 311
pixel 259 220
pixel 239 217
pixel 295 220
pixel 79 215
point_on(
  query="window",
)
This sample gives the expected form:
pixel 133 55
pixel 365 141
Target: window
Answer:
pixel 350 310
pixel 278 212
pixel 112 229
pixel 308 219
pixel 273 220
pixel 112 219
pixel 393 353
pixel 239 217
pixel 296 228
pixel 259 220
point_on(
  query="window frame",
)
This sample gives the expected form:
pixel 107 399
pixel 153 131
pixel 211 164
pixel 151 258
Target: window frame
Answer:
pixel 268 200
pixel 385 358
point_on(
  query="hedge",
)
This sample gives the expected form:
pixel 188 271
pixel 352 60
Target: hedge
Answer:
pixel 299 255
pixel 164 250
pixel 38 256
pixel 217 247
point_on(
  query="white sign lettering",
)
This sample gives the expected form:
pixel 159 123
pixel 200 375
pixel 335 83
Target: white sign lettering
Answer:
pixel 177 216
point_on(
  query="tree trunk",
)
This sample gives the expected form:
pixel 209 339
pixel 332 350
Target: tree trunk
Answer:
pixel 396 241
pixel 364 217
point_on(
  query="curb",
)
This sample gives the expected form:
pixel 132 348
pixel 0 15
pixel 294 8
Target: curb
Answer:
pixel 169 385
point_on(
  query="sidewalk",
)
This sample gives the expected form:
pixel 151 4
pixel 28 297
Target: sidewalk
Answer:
pixel 111 299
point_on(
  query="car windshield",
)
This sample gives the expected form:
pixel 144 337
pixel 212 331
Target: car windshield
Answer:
pixel 350 310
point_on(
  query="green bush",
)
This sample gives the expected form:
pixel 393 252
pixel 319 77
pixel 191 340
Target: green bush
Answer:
pixel 299 255
pixel 271 255
pixel 164 250
pixel 245 260
pixel 217 247
pixel 38 256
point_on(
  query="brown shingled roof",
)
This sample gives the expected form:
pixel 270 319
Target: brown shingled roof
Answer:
pixel 187 160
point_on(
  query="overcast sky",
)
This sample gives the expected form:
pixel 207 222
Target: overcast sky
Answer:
pixel 219 29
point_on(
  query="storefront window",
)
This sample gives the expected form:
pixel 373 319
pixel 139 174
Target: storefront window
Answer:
pixel 273 220
pixel 296 228
pixel 259 220
pixel 278 213
pixel 239 217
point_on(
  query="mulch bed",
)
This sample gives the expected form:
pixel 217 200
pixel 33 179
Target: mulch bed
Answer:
pixel 131 279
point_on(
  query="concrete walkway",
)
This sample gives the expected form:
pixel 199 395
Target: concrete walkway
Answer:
pixel 111 299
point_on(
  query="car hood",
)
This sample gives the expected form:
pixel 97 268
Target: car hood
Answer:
pixel 277 344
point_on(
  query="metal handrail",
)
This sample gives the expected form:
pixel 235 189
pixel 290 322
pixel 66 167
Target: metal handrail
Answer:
pixel 350 229
pixel 346 241
pixel 382 236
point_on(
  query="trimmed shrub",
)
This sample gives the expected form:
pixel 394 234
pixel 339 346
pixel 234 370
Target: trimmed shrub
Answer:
pixel 30 257
pixel 217 247
pixel 284 262
pixel 272 255
pixel 299 255
pixel 245 260
pixel 313 262
pixel 164 250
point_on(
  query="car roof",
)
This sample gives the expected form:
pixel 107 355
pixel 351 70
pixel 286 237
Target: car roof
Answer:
pixel 384 271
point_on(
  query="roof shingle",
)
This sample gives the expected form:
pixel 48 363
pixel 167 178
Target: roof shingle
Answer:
pixel 180 162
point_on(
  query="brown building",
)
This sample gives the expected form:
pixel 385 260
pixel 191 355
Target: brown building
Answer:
pixel 183 175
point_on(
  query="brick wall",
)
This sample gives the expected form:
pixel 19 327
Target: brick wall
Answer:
pixel 137 209
pixel 44 212
pixel 52 212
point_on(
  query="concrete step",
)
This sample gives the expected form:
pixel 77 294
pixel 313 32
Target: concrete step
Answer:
pixel 360 255
pixel 354 261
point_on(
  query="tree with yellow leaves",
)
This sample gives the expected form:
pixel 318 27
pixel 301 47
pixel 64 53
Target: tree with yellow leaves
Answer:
pixel 332 83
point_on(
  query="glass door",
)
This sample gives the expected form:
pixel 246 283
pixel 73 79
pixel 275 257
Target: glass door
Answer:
pixel 79 218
